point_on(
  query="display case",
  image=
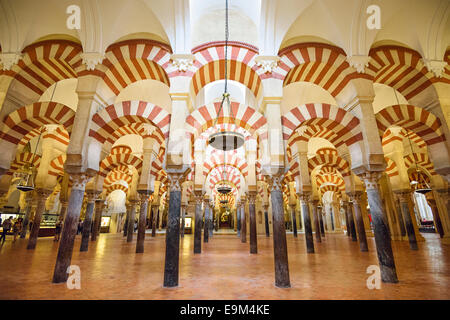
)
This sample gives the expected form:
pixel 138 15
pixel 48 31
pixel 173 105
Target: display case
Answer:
pixel 47 227
pixel 187 225
pixel 104 224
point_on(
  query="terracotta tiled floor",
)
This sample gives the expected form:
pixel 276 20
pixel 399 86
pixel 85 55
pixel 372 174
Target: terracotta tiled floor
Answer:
pixel 224 270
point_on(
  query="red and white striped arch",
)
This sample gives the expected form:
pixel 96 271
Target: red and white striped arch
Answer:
pixel 321 64
pixel 138 129
pixel 420 121
pixel 209 66
pixel 22 159
pixel 231 174
pixel 26 119
pixel 133 60
pixel 216 158
pixel 422 160
pixel 115 176
pixel 116 186
pixel 390 136
pixel 391 168
pixel 244 116
pixel 121 149
pixel 122 114
pixel 402 69
pixel 323 180
pixel 113 160
pixel 333 188
pixel 45 63
pixel 344 125
pixel 56 167
pixel 331 160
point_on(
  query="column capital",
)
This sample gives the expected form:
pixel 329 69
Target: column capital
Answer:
pixel 370 179
pixel 144 195
pixel 355 196
pixel 251 197
pixel 43 194
pixel 304 197
pixel 198 195
pixel 403 195
pixel 91 59
pixel 435 66
pixel 174 181
pixel 182 61
pixel 274 182
pixel 79 180
pixel 9 59
pixel 359 62
pixel 92 195
pixel 267 63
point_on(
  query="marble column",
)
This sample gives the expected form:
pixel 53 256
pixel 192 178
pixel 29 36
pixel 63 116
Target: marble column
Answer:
pixel 294 220
pixel 322 227
pixel 171 263
pixel 252 212
pixel 304 199
pixel 87 223
pixel 400 217
pixel 243 224
pixel 183 214
pixel 69 230
pixel 155 219
pixel 206 227
pixel 144 196
pixel 266 219
pixel 351 221
pixel 355 198
pixel 238 214
pixel 347 224
pixel 26 220
pixel 211 214
pixel 125 226
pixel 436 217
pixel 131 219
pixel 404 197
pixel 316 220
pixel 381 230
pixel 99 205
pixel 42 195
pixel 198 222
pixel 279 234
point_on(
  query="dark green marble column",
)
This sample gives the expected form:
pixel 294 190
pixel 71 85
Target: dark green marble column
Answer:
pixel 87 223
pixel 42 195
pixel 69 230
pixel 304 202
pixel 144 196
pixel 252 211
pixel 381 230
pixel 356 200
pixel 279 235
pixel 404 197
pixel 26 220
pixel 171 263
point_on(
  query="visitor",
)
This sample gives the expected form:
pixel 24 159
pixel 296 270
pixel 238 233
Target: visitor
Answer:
pixel 58 228
pixel 6 227
pixel 135 225
pixel 80 226
pixel 17 228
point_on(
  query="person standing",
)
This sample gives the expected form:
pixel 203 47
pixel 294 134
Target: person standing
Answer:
pixel 6 227
pixel 58 228
pixel 17 228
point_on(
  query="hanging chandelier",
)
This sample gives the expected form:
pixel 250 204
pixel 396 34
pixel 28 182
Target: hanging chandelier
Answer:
pixel 26 183
pixel 226 140
pixel 223 187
